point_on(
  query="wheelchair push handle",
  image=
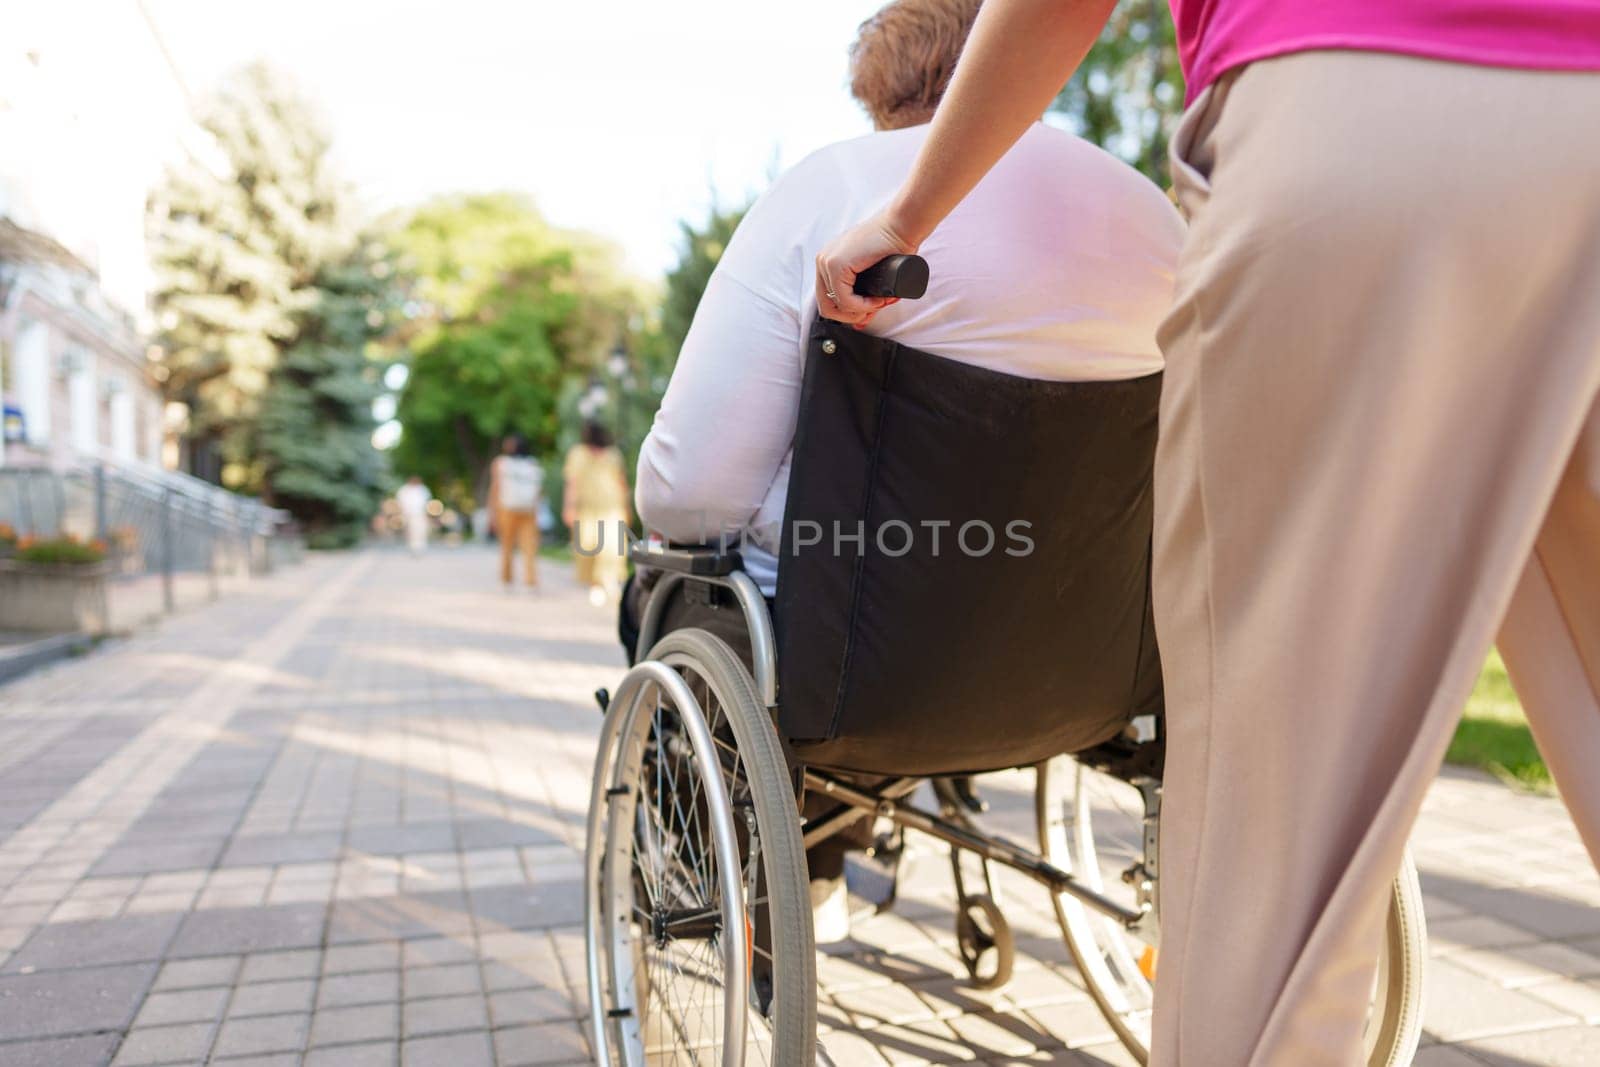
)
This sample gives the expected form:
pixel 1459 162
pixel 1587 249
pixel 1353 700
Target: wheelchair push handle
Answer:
pixel 903 276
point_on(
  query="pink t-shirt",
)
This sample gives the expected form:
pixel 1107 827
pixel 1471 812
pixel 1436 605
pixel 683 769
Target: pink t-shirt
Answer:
pixel 1214 36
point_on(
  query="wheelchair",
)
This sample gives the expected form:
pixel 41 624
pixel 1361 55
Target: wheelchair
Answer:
pixel 877 670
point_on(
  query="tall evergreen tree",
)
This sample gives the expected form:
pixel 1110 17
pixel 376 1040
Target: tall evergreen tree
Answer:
pixel 314 436
pixel 239 235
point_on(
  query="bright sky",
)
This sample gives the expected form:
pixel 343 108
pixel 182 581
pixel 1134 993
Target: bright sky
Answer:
pixel 618 117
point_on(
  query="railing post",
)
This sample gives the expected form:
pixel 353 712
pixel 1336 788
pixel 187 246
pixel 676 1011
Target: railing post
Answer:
pixel 166 549
pixel 100 524
pixel 24 490
pixel 211 547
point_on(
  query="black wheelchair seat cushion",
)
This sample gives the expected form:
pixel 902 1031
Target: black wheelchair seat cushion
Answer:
pixel 963 578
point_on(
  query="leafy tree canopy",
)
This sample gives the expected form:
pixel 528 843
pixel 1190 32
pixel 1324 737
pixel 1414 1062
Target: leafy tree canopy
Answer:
pixel 1128 94
pixel 507 311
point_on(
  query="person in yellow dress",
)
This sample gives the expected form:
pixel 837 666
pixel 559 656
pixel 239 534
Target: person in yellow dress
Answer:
pixel 595 508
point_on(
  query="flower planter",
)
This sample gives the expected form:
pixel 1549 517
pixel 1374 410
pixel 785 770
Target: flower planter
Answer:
pixel 53 597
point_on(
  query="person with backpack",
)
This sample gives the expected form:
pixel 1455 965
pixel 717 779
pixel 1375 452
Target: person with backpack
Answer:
pixel 515 483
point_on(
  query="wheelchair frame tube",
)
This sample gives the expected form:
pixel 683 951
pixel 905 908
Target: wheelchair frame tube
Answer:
pixel 763 645
pixel 995 849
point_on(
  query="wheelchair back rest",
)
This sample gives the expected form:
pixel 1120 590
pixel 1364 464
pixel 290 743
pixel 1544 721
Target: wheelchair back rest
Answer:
pixel 963 581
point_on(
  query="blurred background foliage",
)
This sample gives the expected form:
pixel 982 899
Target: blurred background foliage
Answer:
pixel 1128 94
pixel 504 311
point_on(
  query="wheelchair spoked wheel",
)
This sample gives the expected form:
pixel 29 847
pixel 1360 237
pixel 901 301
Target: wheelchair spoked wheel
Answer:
pixel 698 918
pixel 1092 826
pixel 1103 830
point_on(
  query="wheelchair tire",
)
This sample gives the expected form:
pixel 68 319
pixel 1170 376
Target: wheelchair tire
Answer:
pixel 678 805
pixel 1117 966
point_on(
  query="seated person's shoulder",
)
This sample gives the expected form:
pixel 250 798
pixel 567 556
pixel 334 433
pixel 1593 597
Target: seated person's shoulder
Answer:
pixel 1054 149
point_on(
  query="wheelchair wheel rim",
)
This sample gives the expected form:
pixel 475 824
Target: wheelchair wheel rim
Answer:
pixel 1091 825
pixel 674 909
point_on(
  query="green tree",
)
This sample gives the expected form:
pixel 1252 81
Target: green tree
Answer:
pixel 508 311
pixel 1128 94
pixel 238 235
pixel 314 439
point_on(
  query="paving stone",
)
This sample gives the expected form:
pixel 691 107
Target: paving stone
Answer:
pixel 1075 1024
pixel 183 1006
pixel 273 849
pixel 367 1022
pixel 273 998
pixel 404 916
pixel 60 1051
pixel 144 859
pixel 524 907
pixel 85 999
pixel 928 1041
pixel 524 1006
pixel 878 1005
pixel 1580 999
pixel 432 951
pixel 266 1033
pixel 1444 1056
pixel 1523 965
pixel 193 974
pixel 849 1048
pixel 450 1050
pixel 1569 1046
pixel 444 1014
pixel 552 1043
pixel 448 980
pixel 1475 932
pixel 370 1054
pixel 1461 1006
pixel 375 987
pixel 395 840
pixel 97 941
pixel 165 1044
pixel 346 959
pixel 1105 1054
pixel 248 930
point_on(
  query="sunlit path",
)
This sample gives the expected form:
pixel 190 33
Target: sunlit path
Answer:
pixel 336 819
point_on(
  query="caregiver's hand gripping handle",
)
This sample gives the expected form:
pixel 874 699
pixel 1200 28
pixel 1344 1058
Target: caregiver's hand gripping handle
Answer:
pixel 904 277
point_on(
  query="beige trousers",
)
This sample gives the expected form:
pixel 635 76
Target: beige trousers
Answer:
pixel 1380 446
pixel 518 532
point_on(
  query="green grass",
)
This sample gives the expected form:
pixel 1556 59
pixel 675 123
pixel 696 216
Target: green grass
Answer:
pixel 1494 735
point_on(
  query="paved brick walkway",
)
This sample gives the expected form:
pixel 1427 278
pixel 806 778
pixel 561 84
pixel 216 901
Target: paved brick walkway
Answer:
pixel 336 820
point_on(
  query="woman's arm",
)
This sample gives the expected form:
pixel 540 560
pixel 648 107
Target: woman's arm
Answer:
pixel 1020 54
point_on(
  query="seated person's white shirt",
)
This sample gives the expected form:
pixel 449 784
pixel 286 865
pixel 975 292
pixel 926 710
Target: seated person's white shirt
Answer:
pixel 1058 266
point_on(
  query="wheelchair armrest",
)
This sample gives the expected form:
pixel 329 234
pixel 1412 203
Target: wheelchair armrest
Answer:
pixel 700 561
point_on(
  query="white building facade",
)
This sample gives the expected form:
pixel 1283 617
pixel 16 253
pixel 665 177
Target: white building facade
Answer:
pixel 88 113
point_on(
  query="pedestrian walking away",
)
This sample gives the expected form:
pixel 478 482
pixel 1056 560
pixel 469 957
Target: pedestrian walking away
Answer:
pixel 516 482
pixel 413 498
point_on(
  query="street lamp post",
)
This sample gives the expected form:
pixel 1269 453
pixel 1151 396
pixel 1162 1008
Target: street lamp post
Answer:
pixel 617 367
